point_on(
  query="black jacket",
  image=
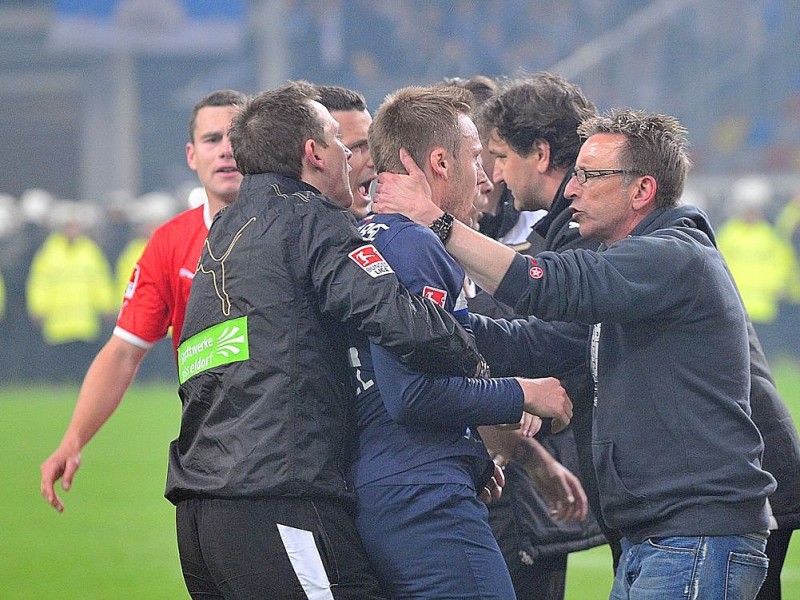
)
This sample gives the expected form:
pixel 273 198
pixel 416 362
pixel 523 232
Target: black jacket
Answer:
pixel 520 518
pixel 558 232
pixel 273 415
pixel 781 443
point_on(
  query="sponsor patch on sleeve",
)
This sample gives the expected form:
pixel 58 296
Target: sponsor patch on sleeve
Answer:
pixel 435 294
pixel 368 258
pixel 220 344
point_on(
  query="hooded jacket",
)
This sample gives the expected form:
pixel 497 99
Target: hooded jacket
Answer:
pixel 673 444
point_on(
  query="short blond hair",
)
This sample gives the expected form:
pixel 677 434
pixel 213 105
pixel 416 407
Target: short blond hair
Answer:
pixel 417 119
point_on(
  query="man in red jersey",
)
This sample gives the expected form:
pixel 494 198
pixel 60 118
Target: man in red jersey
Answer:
pixel 156 296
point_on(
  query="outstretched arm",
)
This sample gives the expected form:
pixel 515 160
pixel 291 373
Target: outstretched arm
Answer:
pixel 485 259
pixel 530 347
pixel 102 390
pixel 413 398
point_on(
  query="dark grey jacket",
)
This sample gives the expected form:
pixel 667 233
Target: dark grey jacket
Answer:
pixel 272 413
pixel 674 448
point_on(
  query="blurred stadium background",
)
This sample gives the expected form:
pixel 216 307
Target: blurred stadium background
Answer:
pixel 96 92
pixel 95 98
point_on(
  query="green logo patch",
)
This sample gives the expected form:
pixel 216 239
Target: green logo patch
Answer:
pixel 221 344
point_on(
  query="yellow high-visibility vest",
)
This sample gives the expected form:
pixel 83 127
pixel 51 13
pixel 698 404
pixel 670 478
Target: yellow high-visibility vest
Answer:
pixel 69 288
pixel 761 263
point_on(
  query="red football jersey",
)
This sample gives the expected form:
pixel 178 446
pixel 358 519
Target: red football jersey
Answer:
pixel 158 290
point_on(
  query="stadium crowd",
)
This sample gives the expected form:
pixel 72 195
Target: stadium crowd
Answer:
pixel 759 234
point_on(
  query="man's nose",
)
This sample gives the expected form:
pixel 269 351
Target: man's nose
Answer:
pixel 572 187
pixel 226 148
pixel 497 173
pixel 484 183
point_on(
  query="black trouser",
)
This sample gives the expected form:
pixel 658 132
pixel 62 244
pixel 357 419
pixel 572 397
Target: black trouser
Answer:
pixel 545 579
pixel 777 546
pixel 277 547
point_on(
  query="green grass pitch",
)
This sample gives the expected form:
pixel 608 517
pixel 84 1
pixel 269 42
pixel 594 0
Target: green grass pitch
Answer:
pixel 116 540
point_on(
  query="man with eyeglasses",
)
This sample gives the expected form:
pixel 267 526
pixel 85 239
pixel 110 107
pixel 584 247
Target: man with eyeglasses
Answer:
pixel 677 456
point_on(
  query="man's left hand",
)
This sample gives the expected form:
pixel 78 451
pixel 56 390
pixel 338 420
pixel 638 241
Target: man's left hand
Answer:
pixel 494 487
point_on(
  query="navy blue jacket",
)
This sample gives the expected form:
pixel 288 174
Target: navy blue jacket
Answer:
pixel 406 419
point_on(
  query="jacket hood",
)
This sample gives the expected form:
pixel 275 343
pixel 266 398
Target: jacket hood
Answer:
pixel 683 216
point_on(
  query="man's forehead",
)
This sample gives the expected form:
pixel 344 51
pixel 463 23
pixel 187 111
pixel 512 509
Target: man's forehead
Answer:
pixel 602 145
pixel 214 116
pixel 496 143
pixel 467 124
pixel 352 115
pixel 353 123
pixel 324 114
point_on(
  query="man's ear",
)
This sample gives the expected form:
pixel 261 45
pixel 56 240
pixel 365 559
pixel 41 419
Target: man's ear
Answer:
pixel 311 154
pixel 644 193
pixel 439 163
pixel 540 153
pixel 190 156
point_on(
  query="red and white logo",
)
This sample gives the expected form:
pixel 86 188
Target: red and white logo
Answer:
pixel 130 289
pixel 368 258
pixel 536 271
pixel 435 294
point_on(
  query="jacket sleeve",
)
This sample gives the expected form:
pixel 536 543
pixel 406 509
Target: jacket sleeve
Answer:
pixel 781 443
pixel 436 401
pixel 530 347
pixel 634 279
pixel 353 283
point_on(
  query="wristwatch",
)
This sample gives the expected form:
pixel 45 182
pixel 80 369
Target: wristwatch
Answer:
pixel 443 226
pixel 482 370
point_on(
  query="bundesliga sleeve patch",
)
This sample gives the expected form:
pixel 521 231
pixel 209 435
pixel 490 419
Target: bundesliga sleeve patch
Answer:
pixel 370 260
pixel 130 289
pixel 435 294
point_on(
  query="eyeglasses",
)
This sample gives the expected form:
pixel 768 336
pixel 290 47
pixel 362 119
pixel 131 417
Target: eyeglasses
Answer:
pixel 584 175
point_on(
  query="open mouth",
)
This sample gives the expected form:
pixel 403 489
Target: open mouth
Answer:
pixel 363 188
